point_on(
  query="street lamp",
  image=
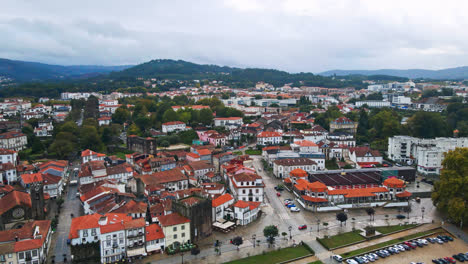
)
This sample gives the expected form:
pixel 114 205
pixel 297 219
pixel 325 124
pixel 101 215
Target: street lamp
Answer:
pixel 290 228
pixel 422 212
pixel 318 225
pixel 254 236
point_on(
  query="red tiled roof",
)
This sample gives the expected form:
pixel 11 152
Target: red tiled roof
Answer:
pixel 363 150
pixel 268 134
pixel 83 222
pixel 394 183
pixel 245 204
pixel 306 143
pixel 153 232
pixel 173 123
pixel 193 155
pixel 403 194
pixel 172 219
pixel 298 173
pixel 203 152
pixel 313 199
pixel 31 178
pixel 12 199
pixel 221 200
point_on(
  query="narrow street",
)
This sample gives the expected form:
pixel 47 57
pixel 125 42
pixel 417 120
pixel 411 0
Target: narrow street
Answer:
pixel 70 206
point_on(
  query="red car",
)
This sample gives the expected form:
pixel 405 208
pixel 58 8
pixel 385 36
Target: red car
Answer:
pixel 302 227
pixel 409 245
pixel 450 259
pixel 278 194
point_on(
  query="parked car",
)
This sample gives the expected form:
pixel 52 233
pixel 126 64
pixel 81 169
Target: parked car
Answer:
pixel 338 258
pixel 288 200
pixel 295 209
pixel 375 256
pixel 459 257
pixel 291 205
pixel 436 261
pixel 351 261
pixel 409 244
pixel 278 194
pixel 286 203
pixel 302 227
pixel 450 260
pixel 400 216
pixel 439 241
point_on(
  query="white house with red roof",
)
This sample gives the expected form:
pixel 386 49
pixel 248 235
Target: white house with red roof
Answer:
pixel 269 138
pixel 53 185
pixel 104 120
pixel 173 126
pixel 220 205
pixel 8 155
pixel 28 244
pixel 365 157
pixel 89 155
pixel 176 228
pixel 8 173
pixel 155 238
pixel 247 187
pixel 245 212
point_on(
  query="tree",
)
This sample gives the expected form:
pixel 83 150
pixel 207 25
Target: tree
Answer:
pixel 121 115
pixel 371 212
pixel 427 125
pixel 165 144
pixel 450 192
pixel 237 241
pixel 89 138
pixel 206 116
pixel 169 115
pixel 62 148
pixel 270 230
pixel 133 130
pixel 284 234
pixel 342 217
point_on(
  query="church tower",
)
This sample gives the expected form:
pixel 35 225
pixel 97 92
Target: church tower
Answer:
pixel 37 201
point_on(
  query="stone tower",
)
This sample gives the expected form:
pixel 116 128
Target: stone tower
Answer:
pixel 37 201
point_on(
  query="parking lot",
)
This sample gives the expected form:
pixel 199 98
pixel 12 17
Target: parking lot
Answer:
pixel 427 253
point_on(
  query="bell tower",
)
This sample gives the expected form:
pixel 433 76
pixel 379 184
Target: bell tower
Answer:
pixel 37 201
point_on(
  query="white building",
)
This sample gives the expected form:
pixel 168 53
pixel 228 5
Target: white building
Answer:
pixel 247 187
pixel 8 155
pixel 246 212
pixel 229 122
pixel 401 100
pixel 220 206
pixel 269 138
pixel 373 104
pixel 13 140
pixel 282 167
pixel 173 126
pixel 104 121
pixel 365 157
pixel 426 153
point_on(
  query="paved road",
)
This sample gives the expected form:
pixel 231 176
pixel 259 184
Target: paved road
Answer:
pixel 71 205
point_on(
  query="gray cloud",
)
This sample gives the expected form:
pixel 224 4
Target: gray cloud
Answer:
pixel 293 35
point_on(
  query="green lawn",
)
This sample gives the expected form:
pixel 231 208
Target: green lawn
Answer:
pixel 238 153
pixel 394 228
pixel 316 262
pixel 342 239
pixel 330 165
pixel 275 256
pixel 253 152
pixel 388 243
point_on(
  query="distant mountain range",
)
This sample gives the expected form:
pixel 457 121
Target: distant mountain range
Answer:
pixel 34 71
pixel 450 73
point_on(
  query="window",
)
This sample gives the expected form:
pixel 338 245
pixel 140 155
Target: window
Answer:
pixel 21 255
pixel 175 236
pixel 34 253
pixel 93 232
pixel 85 232
pixel 243 191
pixel 174 229
pixel 183 234
pixel 182 227
pixel 28 255
pixel 256 190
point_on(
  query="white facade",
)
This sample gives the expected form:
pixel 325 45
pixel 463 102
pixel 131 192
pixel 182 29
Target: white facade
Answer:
pixel 281 169
pixel 374 104
pixel 229 122
pixel 248 188
pixel 426 153
pixel 173 126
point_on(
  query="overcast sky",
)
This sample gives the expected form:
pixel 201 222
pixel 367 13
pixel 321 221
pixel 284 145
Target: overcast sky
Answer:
pixel 292 35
